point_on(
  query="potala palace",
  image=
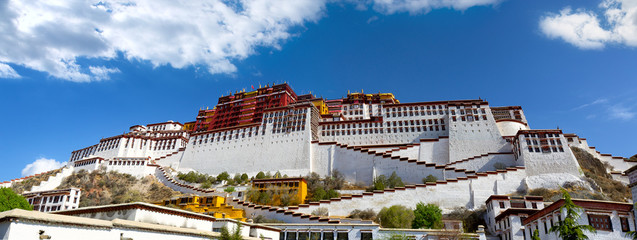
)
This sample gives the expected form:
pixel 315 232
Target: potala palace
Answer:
pixel 474 150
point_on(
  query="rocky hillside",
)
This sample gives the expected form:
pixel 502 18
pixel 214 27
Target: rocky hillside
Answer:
pixel 101 187
pixel 596 173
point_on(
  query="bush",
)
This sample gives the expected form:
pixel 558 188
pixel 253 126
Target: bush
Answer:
pixel 229 189
pixel 260 175
pixel 499 166
pixel 470 219
pixel 206 185
pixel 367 214
pixel 324 188
pixel 244 178
pixel 322 212
pixel 381 182
pixel 262 219
pixel 430 178
pixel 396 216
pixel 11 200
pixel 427 216
pixel 195 177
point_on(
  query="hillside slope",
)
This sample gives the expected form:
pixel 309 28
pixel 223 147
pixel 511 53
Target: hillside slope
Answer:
pixel 100 187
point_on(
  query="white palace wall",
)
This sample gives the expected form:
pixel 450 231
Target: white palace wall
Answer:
pixel 287 152
pixel 434 150
pixel 470 193
pixel 473 138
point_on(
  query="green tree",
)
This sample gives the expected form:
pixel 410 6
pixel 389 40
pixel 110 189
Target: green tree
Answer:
pixel 237 178
pixel 277 174
pixel 430 178
pixel 244 178
pixel 394 181
pixel 568 229
pixel 11 200
pixel 227 235
pixel 260 175
pixel 536 235
pixel 396 216
pixel 427 216
pixel 632 234
pixel 223 176
pixel 379 182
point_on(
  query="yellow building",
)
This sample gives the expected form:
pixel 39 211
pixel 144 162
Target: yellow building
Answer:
pixel 297 186
pixel 213 205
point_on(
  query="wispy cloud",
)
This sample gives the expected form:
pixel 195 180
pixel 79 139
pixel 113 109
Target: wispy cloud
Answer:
pixel 620 112
pixel 372 19
pixel 598 101
pixel 7 71
pixel 102 73
pixel 41 165
pixel 586 29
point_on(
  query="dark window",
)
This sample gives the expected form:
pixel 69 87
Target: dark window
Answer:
pixel 342 236
pixel 304 236
pixel 625 226
pixel 291 236
pixel 366 236
pixel 600 222
pixel 328 235
pixel 501 204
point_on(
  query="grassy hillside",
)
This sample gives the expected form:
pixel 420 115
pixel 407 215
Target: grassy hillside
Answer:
pixel 101 187
pixel 595 170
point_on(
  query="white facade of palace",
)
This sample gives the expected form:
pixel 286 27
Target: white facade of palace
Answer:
pixel 462 143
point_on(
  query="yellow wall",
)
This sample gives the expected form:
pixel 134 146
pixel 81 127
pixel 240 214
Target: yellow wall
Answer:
pixel 211 204
pixel 282 184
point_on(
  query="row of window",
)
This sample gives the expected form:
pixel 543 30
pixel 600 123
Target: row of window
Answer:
pixel 545 149
pixel 321 236
pixel 380 130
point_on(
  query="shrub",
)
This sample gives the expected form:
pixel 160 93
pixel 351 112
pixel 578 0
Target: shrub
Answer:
pixel 229 189
pixel 206 185
pixel 499 166
pixel 470 219
pixel 427 216
pixel 324 188
pixel 396 216
pixel 430 178
pixel 367 214
pixel 262 219
pixel 381 182
pixel 323 212
pixel 11 200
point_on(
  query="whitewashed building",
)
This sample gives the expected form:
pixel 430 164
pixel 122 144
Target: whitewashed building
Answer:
pixel 517 218
pixel 54 200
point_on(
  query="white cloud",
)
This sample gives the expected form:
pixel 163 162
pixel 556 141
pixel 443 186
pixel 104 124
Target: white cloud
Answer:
pixel 598 101
pixel 7 71
pixel 424 6
pixel 41 165
pixel 585 30
pixel 621 112
pixel 51 35
pixel 101 72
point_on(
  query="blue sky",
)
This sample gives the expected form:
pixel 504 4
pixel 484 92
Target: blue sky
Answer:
pixel 72 73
